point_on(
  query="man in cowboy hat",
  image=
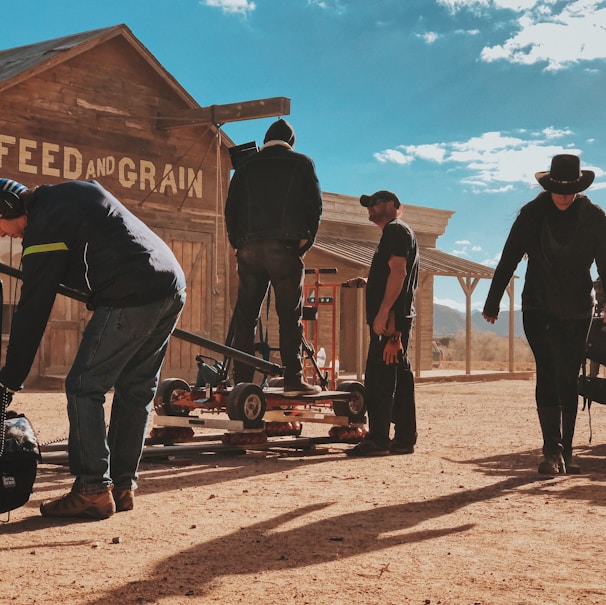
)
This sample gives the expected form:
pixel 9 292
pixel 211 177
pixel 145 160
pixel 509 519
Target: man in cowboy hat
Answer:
pixel 562 233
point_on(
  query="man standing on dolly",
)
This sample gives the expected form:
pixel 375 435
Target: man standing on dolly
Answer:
pixel 78 235
pixel 390 292
pixel 272 214
pixel 561 233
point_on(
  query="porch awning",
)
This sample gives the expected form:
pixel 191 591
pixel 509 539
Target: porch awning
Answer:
pixel 431 260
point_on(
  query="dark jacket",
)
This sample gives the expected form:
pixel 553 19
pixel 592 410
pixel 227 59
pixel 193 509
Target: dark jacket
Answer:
pixel 81 236
pixel 274 195
pixel 561 247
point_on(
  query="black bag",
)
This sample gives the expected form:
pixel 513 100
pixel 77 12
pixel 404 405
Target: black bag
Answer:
pixel 18 462
pixel 592 388
pixel 595 347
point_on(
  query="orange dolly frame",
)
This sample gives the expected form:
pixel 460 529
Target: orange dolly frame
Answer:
pixel 250 407
pixel 246 404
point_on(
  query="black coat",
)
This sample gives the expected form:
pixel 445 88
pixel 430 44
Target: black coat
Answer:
pixel 274 195
pixel 561 247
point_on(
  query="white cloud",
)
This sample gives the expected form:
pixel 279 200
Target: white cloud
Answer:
pixel 551 32
pixel 430 37
pixel 492 262
pixel 558 39
pixel 393 156
pixel 492 162
pixel 232 6
pixel 455 5
pixel 516 5
pixel 554 133
pixel 432 153
pixel 336 6
pixel 464 247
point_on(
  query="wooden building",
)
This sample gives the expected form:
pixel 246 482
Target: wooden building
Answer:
pixel 347 241
pixel 98 105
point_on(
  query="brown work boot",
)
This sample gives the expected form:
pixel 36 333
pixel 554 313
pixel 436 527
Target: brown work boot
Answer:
pixel 300 387
pixel 75 504
pixel 124 499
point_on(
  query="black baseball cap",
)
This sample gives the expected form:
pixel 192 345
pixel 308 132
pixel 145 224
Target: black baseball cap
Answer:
pixel 380 196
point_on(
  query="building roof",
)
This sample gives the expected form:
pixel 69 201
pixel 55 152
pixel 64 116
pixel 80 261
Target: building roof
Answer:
pixel 20 63
pixel 431 260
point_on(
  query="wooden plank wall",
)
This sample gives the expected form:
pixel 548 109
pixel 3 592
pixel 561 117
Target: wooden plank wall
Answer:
pixel 80 119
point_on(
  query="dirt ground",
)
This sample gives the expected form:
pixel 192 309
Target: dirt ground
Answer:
pixel 464 520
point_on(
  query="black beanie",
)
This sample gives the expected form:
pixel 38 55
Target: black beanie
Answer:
pixel 280 130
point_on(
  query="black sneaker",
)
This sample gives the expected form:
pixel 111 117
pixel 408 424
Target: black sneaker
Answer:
pixel 301 388
pixel 366 449
pixel 397 447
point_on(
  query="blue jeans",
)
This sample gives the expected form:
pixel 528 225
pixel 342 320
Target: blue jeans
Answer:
pixel 123 348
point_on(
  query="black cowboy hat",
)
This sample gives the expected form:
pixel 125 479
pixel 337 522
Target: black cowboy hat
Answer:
pixel 565 176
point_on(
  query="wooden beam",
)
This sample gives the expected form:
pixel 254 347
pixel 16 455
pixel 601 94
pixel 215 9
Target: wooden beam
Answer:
pixel 232 112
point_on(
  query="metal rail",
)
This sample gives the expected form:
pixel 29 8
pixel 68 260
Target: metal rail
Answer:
pixel 262 365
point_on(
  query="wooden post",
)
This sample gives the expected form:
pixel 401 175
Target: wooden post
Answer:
pixel 469 285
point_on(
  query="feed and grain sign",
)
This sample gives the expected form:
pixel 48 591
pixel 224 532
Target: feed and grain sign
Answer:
pixel 47 158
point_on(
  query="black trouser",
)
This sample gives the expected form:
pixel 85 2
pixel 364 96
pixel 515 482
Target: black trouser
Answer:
pixel 558 346
pixel 261 264
pixel 389 392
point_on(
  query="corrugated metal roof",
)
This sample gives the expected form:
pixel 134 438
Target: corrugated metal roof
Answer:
pixel 431 260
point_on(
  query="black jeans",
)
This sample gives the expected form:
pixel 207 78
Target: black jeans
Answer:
pixel 558 346
pixel 261 264
pixel 389 391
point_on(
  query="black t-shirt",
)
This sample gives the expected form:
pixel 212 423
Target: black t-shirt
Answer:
pixel 398 239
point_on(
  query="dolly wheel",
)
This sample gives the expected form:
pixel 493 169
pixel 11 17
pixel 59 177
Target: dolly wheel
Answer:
pixel 246 402
pixel 167 394
pixel 355 408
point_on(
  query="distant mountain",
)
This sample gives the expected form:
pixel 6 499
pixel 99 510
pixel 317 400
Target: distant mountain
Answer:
pixel 449 322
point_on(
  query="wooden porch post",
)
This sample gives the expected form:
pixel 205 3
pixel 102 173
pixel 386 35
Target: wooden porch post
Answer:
pixel 469 285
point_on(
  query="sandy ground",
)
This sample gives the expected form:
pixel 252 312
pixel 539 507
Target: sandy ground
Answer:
pixel 464 520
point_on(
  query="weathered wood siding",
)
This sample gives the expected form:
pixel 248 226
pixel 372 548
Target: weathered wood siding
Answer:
pixel 95 116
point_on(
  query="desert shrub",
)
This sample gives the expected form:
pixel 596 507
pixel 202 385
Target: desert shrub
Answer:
pixel 486 346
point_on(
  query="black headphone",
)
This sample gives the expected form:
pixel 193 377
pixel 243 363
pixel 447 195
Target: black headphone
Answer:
pixel 11 205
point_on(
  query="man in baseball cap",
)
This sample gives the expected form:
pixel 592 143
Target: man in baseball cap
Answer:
pixel 390 292
pixel 380 196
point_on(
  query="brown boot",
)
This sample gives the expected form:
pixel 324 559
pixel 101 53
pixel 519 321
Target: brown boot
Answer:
pixel 75 504
pixel 552 463
pixel 550 418
pixel 125 499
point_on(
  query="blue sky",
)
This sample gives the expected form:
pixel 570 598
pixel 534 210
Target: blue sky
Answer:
pixel 452 104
